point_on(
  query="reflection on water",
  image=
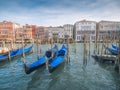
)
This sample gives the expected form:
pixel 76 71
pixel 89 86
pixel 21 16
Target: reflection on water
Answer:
pixel 73 76
pixel 34 79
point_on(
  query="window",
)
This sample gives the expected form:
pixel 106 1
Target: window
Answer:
pixel 4 29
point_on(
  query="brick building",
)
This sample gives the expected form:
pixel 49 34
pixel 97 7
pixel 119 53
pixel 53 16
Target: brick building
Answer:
pixel 8 30
pixel 41 33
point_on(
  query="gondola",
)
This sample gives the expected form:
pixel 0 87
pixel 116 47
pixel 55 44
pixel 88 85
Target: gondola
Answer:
pixel 113 50
pixel 5 53
pixel 15 53
pixel 41 61
pixel 115 46
pixel 60 58
pixel 11 51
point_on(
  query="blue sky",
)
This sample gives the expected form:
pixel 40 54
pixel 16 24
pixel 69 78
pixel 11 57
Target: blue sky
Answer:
pixel 58 12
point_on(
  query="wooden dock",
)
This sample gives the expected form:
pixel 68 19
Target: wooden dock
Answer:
pixel 103 58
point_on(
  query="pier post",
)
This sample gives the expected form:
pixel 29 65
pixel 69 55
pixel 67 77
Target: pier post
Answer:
pixel 85 52
pixel 47 64
pixel 68 57
pixel 9 52
pixel 89 46
pixel 95 44
pixel 51 42
pixel 10 48
pixel 102 46
pixel 32 44
pixel 98 51
pixel 37 47
pixel 23 54
pixel 117 63
pixel 119 54
pixel 106 37
pixel 23 48
pixel 74 45
pixel 40 48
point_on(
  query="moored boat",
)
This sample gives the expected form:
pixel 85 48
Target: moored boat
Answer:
pixel 4 51
pixel 115 46
pixel 41 61
pixel 11 51
pixel 113 50
pixel 60 58
pixel 15 53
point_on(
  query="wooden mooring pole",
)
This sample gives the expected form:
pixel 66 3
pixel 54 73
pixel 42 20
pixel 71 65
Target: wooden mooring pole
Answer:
pixel 9 58
pixel 40 48
pixel 106 40
pixel 102 45
pixel 37 47
pixel 119 55
pixel 74 45
pixel 85 52
pixel 32 44
pixel 68 56
pixel 23 54
pixel 95 44
pixel 89 46
pixel 23 48
pixel 117 63
pixel 47 64
pixel 51 42
pixel 98 47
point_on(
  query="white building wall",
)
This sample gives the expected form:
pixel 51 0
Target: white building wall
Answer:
pixel 108 27
pixel 68 30
pixel 87 28
pixel 56 30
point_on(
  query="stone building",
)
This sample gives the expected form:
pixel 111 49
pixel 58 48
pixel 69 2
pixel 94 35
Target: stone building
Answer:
pixel 109 28
pixel 84 27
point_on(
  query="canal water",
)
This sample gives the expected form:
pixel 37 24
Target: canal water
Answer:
pixel 72 76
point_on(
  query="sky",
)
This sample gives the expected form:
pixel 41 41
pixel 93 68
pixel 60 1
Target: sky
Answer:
pixel 58 12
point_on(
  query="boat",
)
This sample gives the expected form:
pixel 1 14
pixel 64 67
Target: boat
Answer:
pixel 113 50
pixel 41 61
pixel 60 58
pixel 26 50
pixel 11 51
pixel 15 53
pixel 115 46
pixel 4 51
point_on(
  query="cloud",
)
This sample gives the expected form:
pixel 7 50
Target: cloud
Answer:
pixel 52 12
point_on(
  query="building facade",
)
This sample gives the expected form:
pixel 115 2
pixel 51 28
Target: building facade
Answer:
pixel 57 32
pixel 68 30
pixel 84 27
pixel 40 33
pixel 8 30
pixel 27 32
pixel 34 28
pixel 110 28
